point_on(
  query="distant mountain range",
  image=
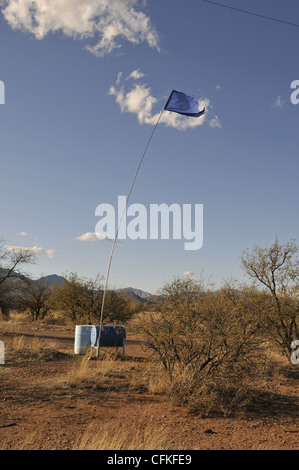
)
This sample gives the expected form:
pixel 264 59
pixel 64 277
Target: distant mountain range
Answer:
pixel 137 295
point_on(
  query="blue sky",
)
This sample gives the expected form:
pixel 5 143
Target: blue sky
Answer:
pixel 76 121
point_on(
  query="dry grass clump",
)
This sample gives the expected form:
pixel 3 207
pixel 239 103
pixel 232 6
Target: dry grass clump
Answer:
pixel 158 383
pixel 146 435
pixel 95 372
pixel 34 350
pixel 214 395
pixel 99 435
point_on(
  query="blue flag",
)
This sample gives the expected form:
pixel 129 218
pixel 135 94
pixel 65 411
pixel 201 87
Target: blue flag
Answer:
pixel 183 104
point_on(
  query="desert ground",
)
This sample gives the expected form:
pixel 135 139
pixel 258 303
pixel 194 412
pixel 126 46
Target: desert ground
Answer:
pixel 52 399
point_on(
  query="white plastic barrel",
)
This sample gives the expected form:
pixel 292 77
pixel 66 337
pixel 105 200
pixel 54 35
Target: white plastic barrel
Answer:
pixel 82 338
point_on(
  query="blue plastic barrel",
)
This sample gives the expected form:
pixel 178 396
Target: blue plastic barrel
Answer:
pixel 111 336
pixel 82 338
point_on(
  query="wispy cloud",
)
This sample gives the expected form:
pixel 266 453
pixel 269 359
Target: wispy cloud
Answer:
pixel 22 234
pixel 215 122
pixel 107 22
pixel 95 237
pixel 139 101
pixel 89 237
pixel 279 103
pixel 136 74
pixel 35 250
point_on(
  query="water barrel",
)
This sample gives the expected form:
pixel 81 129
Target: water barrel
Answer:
pixel 82 338
pixel 111 335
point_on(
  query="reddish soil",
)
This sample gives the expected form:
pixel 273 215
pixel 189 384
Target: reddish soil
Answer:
pixel 39 411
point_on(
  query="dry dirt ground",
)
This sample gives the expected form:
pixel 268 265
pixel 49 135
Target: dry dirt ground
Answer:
pixel 53 399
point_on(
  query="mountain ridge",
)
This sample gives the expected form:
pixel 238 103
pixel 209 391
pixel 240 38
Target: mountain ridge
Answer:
pixel 132 293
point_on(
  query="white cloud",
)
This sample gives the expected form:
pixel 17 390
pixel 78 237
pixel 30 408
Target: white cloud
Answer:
pixel 95 237
pixel 22 234
pixel 139 101
pixel 279 103
pixel 119 75
pixel 218 87
pixel 90 237
pixel 51 253
pixel 136 74
pixel 35 250
pixel 106 21
pixel 215 122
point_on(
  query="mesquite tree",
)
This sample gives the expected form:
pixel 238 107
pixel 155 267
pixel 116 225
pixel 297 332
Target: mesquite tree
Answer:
pixel 276 270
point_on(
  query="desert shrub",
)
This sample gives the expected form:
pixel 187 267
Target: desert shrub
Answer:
pixel 81 300
pixel 209 345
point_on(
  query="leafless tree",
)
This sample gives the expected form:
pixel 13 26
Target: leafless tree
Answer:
pixel 11 259
pixel 276 270
pixel 34 297
pixel 11 262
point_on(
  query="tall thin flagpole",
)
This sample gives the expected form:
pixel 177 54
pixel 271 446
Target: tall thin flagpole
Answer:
pixel 116 235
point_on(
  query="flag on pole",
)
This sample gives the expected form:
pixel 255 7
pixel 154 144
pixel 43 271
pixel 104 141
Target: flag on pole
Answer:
pixel 183 104
pixel 178 103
